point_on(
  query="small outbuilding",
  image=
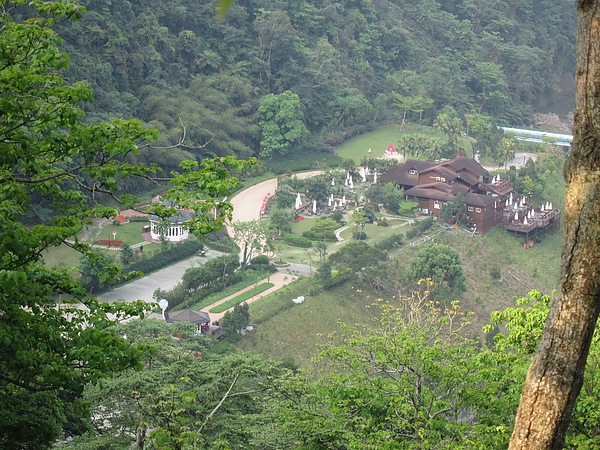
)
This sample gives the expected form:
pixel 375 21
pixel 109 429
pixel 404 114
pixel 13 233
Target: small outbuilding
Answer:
pixel 177 230
pixel 199 318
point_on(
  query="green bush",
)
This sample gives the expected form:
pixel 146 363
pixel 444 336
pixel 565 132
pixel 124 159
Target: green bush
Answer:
pixel 359 235
pixel 420 227
pixel 172 255
pixel 329 237
pixel 221 242
pixel 495 273
pixel 412 233
pixel 393 241
pixel 260 259
pixel 297 241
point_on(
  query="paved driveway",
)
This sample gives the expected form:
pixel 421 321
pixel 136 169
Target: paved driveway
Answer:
pixel 167 278
pixel 246 207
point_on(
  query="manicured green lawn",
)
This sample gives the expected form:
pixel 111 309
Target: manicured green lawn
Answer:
pixel 379 140
pixel 241 298
pixel 130 233
pixel 248 280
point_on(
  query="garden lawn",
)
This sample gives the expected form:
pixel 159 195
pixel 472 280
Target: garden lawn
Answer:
pixel 130 233
pixel 249 279
pixel 378 141
pixel 241 298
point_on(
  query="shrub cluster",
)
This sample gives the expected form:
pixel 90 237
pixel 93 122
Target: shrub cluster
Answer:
pixel 262 263
pixel 329 237
pixel 157 261
pixel 297 241
pixel 221 242
pixel 393 241
pixel 420 227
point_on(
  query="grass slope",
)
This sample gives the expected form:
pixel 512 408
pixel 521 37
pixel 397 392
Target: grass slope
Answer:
pixel 293 332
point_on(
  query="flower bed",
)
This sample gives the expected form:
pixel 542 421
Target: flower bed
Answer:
pixel 112 242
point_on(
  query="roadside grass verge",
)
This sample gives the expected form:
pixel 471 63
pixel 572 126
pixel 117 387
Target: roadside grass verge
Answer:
pixel 241 298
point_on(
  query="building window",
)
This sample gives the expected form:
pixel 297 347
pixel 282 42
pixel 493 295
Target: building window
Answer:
pixel 412 172
pixel 443 179
pixel 477 210
pixel 436 204
pixel 470 209
pixel 438 179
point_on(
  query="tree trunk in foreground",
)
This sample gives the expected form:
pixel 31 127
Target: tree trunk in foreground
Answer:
pixel 556 373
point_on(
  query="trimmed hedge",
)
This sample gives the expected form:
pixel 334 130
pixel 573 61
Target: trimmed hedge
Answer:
pixel 297 241
pixel 330 237
pixel 172 255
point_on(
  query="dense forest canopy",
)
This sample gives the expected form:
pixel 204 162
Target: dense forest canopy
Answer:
pixel 353 64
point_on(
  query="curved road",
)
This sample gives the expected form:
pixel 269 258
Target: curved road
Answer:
pixel 246 207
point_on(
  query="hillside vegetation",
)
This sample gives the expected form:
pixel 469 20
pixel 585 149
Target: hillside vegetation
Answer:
pixel 352 65
pixel 295 331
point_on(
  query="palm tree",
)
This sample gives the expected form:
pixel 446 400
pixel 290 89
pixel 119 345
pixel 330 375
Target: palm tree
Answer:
pixel 507 149
pixel 451 126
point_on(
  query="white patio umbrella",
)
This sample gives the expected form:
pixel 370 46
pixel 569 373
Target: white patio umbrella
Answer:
pixel 298 201
pixel 375 177
pixel 333 181
pixel 343 200
pixel 551 206
pixel 329 201
pixel 516 215
pixel 525 221
pixel 547 206
pixel 542 208
pixel 314 206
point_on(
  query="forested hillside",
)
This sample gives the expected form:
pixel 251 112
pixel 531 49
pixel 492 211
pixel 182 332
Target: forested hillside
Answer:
pixel 352 64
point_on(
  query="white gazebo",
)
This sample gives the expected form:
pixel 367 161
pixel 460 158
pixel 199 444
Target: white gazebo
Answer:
pixel 177 230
